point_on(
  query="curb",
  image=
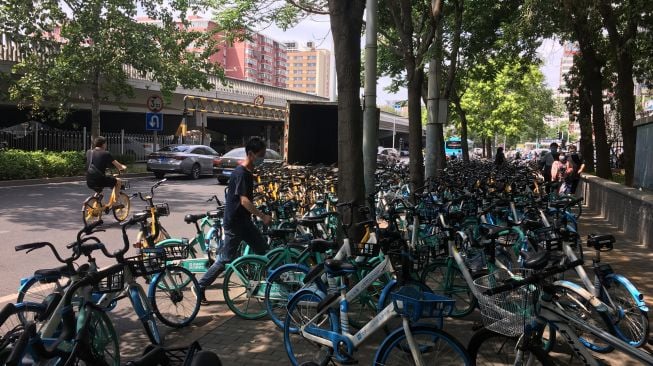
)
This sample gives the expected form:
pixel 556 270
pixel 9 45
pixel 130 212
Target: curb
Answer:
pixel 31 182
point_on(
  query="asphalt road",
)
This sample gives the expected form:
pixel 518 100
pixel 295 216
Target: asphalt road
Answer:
pixel 52 212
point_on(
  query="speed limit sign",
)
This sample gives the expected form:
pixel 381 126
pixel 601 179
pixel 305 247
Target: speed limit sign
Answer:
pixel 155 103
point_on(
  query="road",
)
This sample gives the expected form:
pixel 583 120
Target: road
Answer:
pixel 52 212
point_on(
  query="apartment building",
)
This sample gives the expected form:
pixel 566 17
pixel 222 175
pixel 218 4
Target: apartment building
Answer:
pixel 308 68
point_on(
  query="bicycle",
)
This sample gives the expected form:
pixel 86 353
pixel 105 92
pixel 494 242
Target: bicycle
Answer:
pixel 312 318
pixel 180 356
pixel 516 309
pixel 157 232
pixel 93 208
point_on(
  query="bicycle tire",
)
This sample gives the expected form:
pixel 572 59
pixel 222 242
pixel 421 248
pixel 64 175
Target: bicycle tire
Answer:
pixel 633 325
pixel 143 310
pixel 242 287
pixel 282 283
pixel 102 337
pixel 91 210
pixel 487 347
pixel 121 214
pixel 575 303
pixel 301 308
pixel 436 347
pixel 172 296
pixel 36 290
pixel 12 326
pixel 434 277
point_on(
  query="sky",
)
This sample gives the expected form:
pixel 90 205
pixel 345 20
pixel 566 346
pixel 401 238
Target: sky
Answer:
pixel 317 29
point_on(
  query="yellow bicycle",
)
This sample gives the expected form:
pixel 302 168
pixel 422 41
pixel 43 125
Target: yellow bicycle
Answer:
pixel 93 207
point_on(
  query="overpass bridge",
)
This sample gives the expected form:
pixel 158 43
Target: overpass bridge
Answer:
pixel 238 108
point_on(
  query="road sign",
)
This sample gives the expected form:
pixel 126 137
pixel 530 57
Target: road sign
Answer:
pixel 154 122
pixel 397 106
pixel 259 100
pixel 155 103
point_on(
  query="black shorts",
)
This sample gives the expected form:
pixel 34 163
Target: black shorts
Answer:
pixel 100 182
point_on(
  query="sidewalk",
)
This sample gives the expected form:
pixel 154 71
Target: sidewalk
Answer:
pixel 259 342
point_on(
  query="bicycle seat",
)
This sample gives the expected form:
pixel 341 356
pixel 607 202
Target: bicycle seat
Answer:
pixel 141 216
pixel 280 233
pixel 190 218
pixel 492 232
pixel 337 268
pixel 321 245
pixel 53 272
pixel 535 260
pixel 603 243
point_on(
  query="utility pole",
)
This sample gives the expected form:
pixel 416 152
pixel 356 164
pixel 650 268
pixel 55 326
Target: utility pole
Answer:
pixel 371 112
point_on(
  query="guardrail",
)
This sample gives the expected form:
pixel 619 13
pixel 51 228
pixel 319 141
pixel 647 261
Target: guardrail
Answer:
pixel 629 209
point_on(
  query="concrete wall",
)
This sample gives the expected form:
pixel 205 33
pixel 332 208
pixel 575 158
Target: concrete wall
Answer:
pixel 644 154
pixel 629 209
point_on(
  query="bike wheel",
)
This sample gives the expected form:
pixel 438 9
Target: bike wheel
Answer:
pixel 435 275
pixel 172 297
pixel 490 348
pixel 102 338
pixel 632 325
pixel 244 288
pixel 281 285
pixel 13 325
pixel 144 312
pixel 36 290
pixel 121 214
pixel 575 304
pixel 91 211
pixel 435 347
pixel 301 309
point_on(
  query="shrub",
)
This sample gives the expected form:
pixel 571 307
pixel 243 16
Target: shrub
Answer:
pixel 18 164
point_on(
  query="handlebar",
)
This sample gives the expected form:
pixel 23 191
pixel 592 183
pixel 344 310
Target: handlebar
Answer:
pixel 155 186
pixel 216 199
pixel 534 278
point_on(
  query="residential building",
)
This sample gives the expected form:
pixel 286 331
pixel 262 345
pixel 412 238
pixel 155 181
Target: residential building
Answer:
pixel 308 68
pixel 259 59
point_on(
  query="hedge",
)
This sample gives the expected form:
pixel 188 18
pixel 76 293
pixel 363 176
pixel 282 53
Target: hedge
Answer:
pixel 18 164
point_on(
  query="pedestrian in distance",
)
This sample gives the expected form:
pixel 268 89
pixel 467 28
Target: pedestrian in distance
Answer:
pixel 549 158
pixel 237 222
pixel 577 166
pixel 98 160
pixel 560 171
pixel 500 158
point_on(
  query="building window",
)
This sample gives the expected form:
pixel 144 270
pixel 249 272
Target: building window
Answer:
pixel 297 78
pixel 298 85
pixel 311 64
pixel 311 72
pixel 310 78
pixel 297 64
pixel 312 57
pixel 298 57
pixel 297 71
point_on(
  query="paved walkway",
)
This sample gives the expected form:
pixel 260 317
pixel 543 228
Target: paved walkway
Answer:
pixel 259 342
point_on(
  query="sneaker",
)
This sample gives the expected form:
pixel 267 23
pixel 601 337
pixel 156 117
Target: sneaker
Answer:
pixel 200 295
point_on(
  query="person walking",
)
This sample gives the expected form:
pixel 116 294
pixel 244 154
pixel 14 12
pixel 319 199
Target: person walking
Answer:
pixel 549 158
pixel 577 167
pixel 500 158
pixel 98 160
pixel 560 171
pixel 237 222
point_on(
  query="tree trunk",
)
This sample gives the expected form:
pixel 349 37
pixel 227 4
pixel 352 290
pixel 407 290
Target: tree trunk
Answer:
pixel 463 124
pixel 346 23
pixel 95 106
pixel 598 121
pixel 415 80
pixel 626 106
pixel 585 122
pixel 488 153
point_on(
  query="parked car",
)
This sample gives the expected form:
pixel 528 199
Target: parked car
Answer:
pixel 387 156
pixel 193 160
pixel 229 161
pixel 136 148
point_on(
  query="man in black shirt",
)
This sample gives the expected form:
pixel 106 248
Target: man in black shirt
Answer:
pixel 578 166
pixel 97 161
pixel 237 222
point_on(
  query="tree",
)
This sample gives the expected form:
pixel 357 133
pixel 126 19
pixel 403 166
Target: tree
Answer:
pixel 68 45
pixel 238 17
pixel 512 103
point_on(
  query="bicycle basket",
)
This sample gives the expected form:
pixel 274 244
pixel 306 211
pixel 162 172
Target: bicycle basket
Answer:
pixel 114 282
pixel 547 238
pixel 176 251
pixel 150 261
pixel 366 249
pixel 508 312
pixel 416 305
pixel 162 209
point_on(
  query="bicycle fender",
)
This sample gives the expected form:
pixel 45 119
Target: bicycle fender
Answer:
pixel 597 303
pixel 165 242
pixel 152 287
pixel 632 289
pixel 139 309
pixel 384 294
pixel 301 267
pixel 250 256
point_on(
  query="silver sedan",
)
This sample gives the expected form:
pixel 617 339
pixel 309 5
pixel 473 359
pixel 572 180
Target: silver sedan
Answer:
pixel 193 160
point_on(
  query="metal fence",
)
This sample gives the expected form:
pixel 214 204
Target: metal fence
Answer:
pixel 136 146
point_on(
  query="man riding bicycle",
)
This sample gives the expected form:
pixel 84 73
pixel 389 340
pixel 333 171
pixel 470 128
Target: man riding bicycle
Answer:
pixel 98 160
